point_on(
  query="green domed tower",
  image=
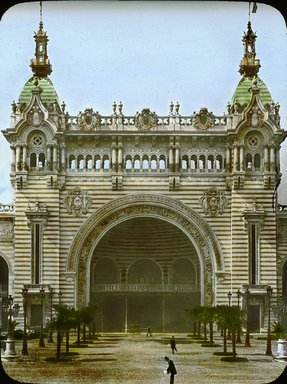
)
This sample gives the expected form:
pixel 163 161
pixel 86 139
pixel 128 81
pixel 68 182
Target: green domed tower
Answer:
pixel 249 68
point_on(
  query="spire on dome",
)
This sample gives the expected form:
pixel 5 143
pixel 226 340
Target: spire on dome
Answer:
pixel 249 65
pixel 41 66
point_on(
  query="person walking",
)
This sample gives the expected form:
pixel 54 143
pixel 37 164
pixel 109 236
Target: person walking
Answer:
pixel 171 370
pixel 149 332
pixel 173 345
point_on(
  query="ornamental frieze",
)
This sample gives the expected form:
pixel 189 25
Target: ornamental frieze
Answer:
pixel 213 202
pixel 89 120
pixel 203 120
pixel 145 120
pixel 77 202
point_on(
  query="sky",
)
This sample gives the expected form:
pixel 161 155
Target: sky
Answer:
pixel 142 53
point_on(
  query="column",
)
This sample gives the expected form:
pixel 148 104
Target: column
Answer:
pixel 114 155
pixel 120 156
pixel 13 165
pixel 272 159
pixel 55 157
pixel 227 159
pixel 163 314
pixel 49 157
pixel 18 152
pixel 235 158
pixel 63 157
pixel 241 158
pixel 177 155
pixel 24 157
pixel 266 159
pixel 171 159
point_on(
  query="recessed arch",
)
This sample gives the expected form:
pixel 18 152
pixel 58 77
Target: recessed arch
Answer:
pixel 144 271
pixel 149 205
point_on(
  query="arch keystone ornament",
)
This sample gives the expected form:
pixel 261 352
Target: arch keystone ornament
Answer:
pixel 145 205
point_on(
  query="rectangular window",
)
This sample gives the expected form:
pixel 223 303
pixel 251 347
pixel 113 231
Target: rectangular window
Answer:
pixel 252 254
pixel 36 253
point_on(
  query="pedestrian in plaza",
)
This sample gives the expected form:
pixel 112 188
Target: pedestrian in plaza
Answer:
pixel 171 370
pixel 149 332
pixel 173 345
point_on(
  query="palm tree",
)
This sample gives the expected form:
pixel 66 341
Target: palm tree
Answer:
pixel 229 318
pixel 85 316
pixel 65 320
pixel 194 314
pixel 210 317
pixel 221 316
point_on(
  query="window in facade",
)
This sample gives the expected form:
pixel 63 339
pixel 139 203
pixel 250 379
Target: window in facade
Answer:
pixel 253 250
pixel 36 253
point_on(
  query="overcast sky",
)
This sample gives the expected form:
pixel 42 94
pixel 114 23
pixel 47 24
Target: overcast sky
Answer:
pixel 143 53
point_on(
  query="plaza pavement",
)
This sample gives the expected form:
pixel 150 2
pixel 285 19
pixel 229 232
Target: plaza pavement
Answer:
pixel 137 359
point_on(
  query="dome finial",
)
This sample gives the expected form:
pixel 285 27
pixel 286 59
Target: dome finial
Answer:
pixel 249 65
pixel 41 64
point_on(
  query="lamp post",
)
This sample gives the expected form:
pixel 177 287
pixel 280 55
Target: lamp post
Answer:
pixel 229 303
pixel 41 340
pixel 238 339
pixel 50 339
pixel 247 337
pixel 13 310
pixel 229 298
pixel 268 346
pixel 25 341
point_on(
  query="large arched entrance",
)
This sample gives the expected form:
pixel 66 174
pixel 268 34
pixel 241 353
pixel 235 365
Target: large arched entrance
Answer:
pixel 144 273
pixel 142 246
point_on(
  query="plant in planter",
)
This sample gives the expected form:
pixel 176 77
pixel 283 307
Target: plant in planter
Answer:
pixel 281 334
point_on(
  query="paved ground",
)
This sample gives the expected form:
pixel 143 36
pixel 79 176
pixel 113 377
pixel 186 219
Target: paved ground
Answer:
pixel 136 359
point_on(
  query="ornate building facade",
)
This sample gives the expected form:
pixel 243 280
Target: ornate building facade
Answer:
pixel 144 215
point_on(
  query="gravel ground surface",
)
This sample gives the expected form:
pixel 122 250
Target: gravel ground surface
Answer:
pixel 137 359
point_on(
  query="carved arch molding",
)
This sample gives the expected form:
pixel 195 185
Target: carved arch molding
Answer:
pixel 139 205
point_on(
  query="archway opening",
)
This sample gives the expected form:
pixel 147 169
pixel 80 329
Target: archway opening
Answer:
pixel 145 272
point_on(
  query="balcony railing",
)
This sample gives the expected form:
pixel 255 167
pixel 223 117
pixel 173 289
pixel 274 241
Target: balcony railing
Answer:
pixel 111 288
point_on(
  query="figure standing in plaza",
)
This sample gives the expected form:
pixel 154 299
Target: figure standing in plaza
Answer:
pixel 171 370
pixel 149 332
pixel 173 345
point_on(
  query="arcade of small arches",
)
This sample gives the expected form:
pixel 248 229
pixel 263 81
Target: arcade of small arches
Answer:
pixel 153 163
pixel 107 275
pixel 40 155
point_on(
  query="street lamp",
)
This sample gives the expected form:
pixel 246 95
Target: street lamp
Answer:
pixel 50 340
pixel 25 342
pixel 268 347
pixel 229 298
pixel 13 310
pixel 247 337
pixel 238 294
pixel 229 302
pixel 41 340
